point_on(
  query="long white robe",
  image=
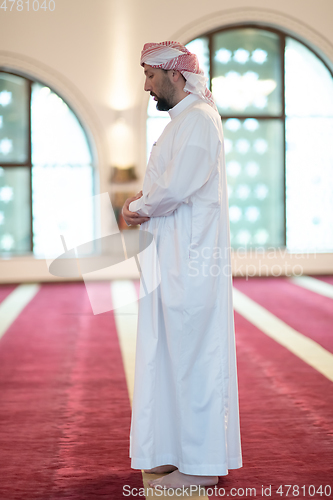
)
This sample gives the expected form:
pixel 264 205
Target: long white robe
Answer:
pixel 185 405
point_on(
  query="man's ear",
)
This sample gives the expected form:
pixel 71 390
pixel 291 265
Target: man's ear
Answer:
pixel 175 75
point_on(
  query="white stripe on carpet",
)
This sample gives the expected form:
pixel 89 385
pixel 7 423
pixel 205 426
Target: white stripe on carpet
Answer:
pixel 317 286
pixel 13 304
pixel 306 349
pixel 126 317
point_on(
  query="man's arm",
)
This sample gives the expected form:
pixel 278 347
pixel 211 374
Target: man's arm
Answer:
pixel 194 160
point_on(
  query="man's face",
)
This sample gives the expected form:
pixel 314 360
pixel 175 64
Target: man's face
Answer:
pixel 160 87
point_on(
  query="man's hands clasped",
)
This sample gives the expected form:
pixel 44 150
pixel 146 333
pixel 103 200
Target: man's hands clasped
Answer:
pixel 132 218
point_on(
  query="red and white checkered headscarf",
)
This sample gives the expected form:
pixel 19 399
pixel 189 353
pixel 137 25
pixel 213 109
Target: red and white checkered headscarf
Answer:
pixel 173 55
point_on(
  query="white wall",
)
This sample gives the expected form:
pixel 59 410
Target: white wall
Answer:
pixel 89 52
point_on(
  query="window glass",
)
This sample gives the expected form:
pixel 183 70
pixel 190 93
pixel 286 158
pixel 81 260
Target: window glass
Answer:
pixel 57 136
pixel 253 150
pixel 309 150
pixel 47 186
pixel 61 173
pixel 13 119
pixel 15 210
pixel 58 209
pixel 309 184
pixel 247 72
pixel 309 84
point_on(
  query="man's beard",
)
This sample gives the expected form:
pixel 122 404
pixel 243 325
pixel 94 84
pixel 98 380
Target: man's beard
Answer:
pixel 165 102
pixel 162 104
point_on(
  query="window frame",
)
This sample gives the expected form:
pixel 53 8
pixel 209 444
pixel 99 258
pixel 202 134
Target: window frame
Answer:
pixel 282 116
pixel 28 163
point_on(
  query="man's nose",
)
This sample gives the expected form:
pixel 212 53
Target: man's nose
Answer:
pixel 147 86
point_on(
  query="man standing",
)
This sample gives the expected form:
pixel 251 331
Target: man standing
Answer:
pixel 185 419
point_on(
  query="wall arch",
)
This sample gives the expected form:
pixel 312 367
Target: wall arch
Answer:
pixel 289 24
pixel 30 68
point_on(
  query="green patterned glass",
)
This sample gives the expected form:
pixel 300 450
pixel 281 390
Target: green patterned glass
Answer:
pixel 247 72
pixel 15 212
pixel 14 101
pixel 254 155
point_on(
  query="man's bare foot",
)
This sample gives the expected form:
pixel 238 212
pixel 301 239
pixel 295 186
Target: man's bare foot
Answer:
pixel 178 480
pixel 162 469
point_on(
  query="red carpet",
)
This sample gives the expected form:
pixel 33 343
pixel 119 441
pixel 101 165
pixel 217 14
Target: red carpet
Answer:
pixel 327 279
pixel 286 406
pixel 6 290
pixel 307 312
pixel 65 413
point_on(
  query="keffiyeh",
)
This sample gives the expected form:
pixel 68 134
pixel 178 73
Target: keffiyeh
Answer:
pixel 173 55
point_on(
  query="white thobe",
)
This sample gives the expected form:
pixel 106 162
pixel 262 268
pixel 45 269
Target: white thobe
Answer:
pixel 185 404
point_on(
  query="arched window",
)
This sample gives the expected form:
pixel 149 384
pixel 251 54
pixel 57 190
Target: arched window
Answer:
pixel 275 98
pixel 45 159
